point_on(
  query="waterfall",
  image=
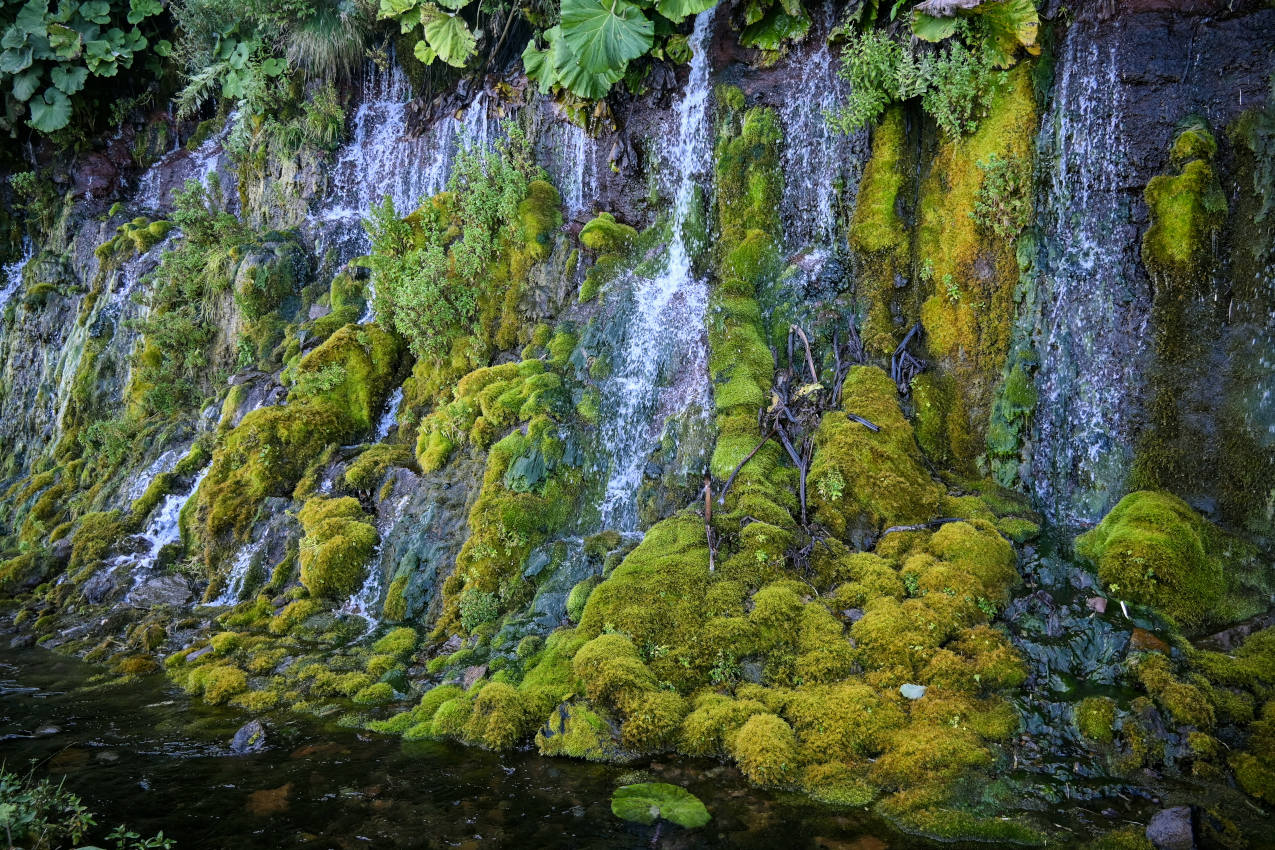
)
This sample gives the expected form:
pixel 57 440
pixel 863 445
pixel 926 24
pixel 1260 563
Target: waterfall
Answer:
pixel 1090 335
pixel 164 529
pixel 573 166
pixel 383 158
pixel 12 280
pixel 389 417
pixel 233 588
pixel 819 161
pixel 665 335
pixel 180 165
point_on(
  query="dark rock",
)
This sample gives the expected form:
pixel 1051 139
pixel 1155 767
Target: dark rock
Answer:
pixel 98 586
pixel 22 642
pixel 473 674
pixel 1170 829
pixel 1097 604
pixel 161 590
pixel 199 653
pixel 47 730
pixel 251 738
pixel 852 615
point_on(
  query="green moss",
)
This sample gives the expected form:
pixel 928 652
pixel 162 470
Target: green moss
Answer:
pixel 884 481
pixel 96 533
pixel 1186 210
pixel 216 683
pixel 765 749
pixel 1255 768
pixel 375 694
pixel 1184 702
pixel 366 472
pixel 338 542
pixel 604 235
pixel 1095 719
pixel 578 597
pixel 576 731
pixel 499 718
pixel 1124 838
pixel 397 642
pixel 971 273
pixel 1158 551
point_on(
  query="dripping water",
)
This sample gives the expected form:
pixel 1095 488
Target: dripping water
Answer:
pixel 1089 334
pixel 13 272
pixel 164 529
pixel 666 332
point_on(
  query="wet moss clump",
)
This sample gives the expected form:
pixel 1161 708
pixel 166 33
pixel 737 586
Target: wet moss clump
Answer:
pixel 1152 548
pixel 336 547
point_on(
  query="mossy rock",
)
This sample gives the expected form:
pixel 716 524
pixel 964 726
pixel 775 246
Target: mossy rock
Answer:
pixel 861 477
pixel 338 542
pixel 1154 549
pixel 605 235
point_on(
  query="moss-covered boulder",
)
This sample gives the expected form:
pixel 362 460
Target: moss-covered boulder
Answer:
pixel 864 478
pixel 1154 549
pixel 338 541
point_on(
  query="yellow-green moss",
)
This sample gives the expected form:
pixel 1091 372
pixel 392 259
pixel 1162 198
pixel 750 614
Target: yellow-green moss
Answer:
pixel 1154 549
pixel 337 545
pixel 604 235
pixel 765 750
pixel 1095 719
pixel 884 481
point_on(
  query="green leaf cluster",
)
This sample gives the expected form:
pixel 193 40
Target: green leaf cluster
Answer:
pixel 47 54
pixel 1005 26
pixel 443 32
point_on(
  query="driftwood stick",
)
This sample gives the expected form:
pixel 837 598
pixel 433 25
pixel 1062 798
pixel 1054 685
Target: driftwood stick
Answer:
pixel 922 526
pixel 810 361
pixel 864 422
pixel 708 518
pixel 721 499
pixel 796 459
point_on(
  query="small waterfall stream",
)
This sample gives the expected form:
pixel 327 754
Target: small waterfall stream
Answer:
pixel 12 272
pixel 162 530
pixel 1090 334
pixel 383 158
pixel 665 337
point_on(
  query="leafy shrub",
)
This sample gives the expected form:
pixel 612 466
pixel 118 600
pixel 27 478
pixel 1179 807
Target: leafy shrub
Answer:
pixel 478 607
pixel 1003 204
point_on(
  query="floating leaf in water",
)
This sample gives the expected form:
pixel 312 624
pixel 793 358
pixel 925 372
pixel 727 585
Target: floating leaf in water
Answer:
pixel 646 802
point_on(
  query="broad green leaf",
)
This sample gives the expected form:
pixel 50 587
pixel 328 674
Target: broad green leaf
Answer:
pixel 13 39
pixel 25 84
pixel 423 52
pixel 648 801
pixel 140 10
pixel 929 28
pixel 576 79
pixel 754 11
pixel 97 11
pixel 134 41
pixel 164 47
pixel 450 38
pixel 773 30
pixel 274 66
pixel 31 17
pixel 69 78
pixel 454 5
pixel 605 34
pixel 408 21
pixel 15 61
pixel 51 111
pixel 239 56
pixel 66 11
pixel 395 8
pixel 677 49
pixel 1010 24
pixel 678 10
pixel 66 42
pixel 538 66
pixel 793 7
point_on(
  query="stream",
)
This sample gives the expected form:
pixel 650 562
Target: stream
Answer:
pixel 144 755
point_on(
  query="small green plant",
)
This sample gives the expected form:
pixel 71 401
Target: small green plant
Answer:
pixel 38 815
pixel 952 289
pixel 832 485
pixel 911 584
pixel 478 607
pixel 1003 204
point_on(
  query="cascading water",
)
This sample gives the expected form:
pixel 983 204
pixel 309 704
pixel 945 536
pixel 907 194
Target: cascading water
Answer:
pixel 384 158
pixel 821 164
pixel 665 336
pixel 1090 337
pixel 164 529
pixel 178 166
pixel 573 165
pixel 389 418
pixel 238 575
pixel 13 273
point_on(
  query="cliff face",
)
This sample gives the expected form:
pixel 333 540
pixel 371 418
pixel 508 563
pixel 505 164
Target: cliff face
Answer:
pixel 233 452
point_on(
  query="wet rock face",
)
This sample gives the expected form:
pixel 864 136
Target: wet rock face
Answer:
pixel 1170 829
pixel 251 738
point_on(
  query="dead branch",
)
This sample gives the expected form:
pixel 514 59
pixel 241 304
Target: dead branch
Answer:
pixel 922 526
pixel 708 519
pixel 903 366
pixel 721 499
pixel 810 360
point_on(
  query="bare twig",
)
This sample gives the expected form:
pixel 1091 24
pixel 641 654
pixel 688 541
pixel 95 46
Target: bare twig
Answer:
pixel 810 361
pixel 922 526
pixel 721 499
pixel 708 519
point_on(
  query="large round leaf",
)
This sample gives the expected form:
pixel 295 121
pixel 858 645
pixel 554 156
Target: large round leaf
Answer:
pixel 51 111
pixel 929 28
pixel 449 36
pixel 605 34
pixel 678 10
pixel 31 17
pixel 25 84
pixel 569 73
pixel 648 801
pixel 69 78
pixel 66 42
pixel 13 61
